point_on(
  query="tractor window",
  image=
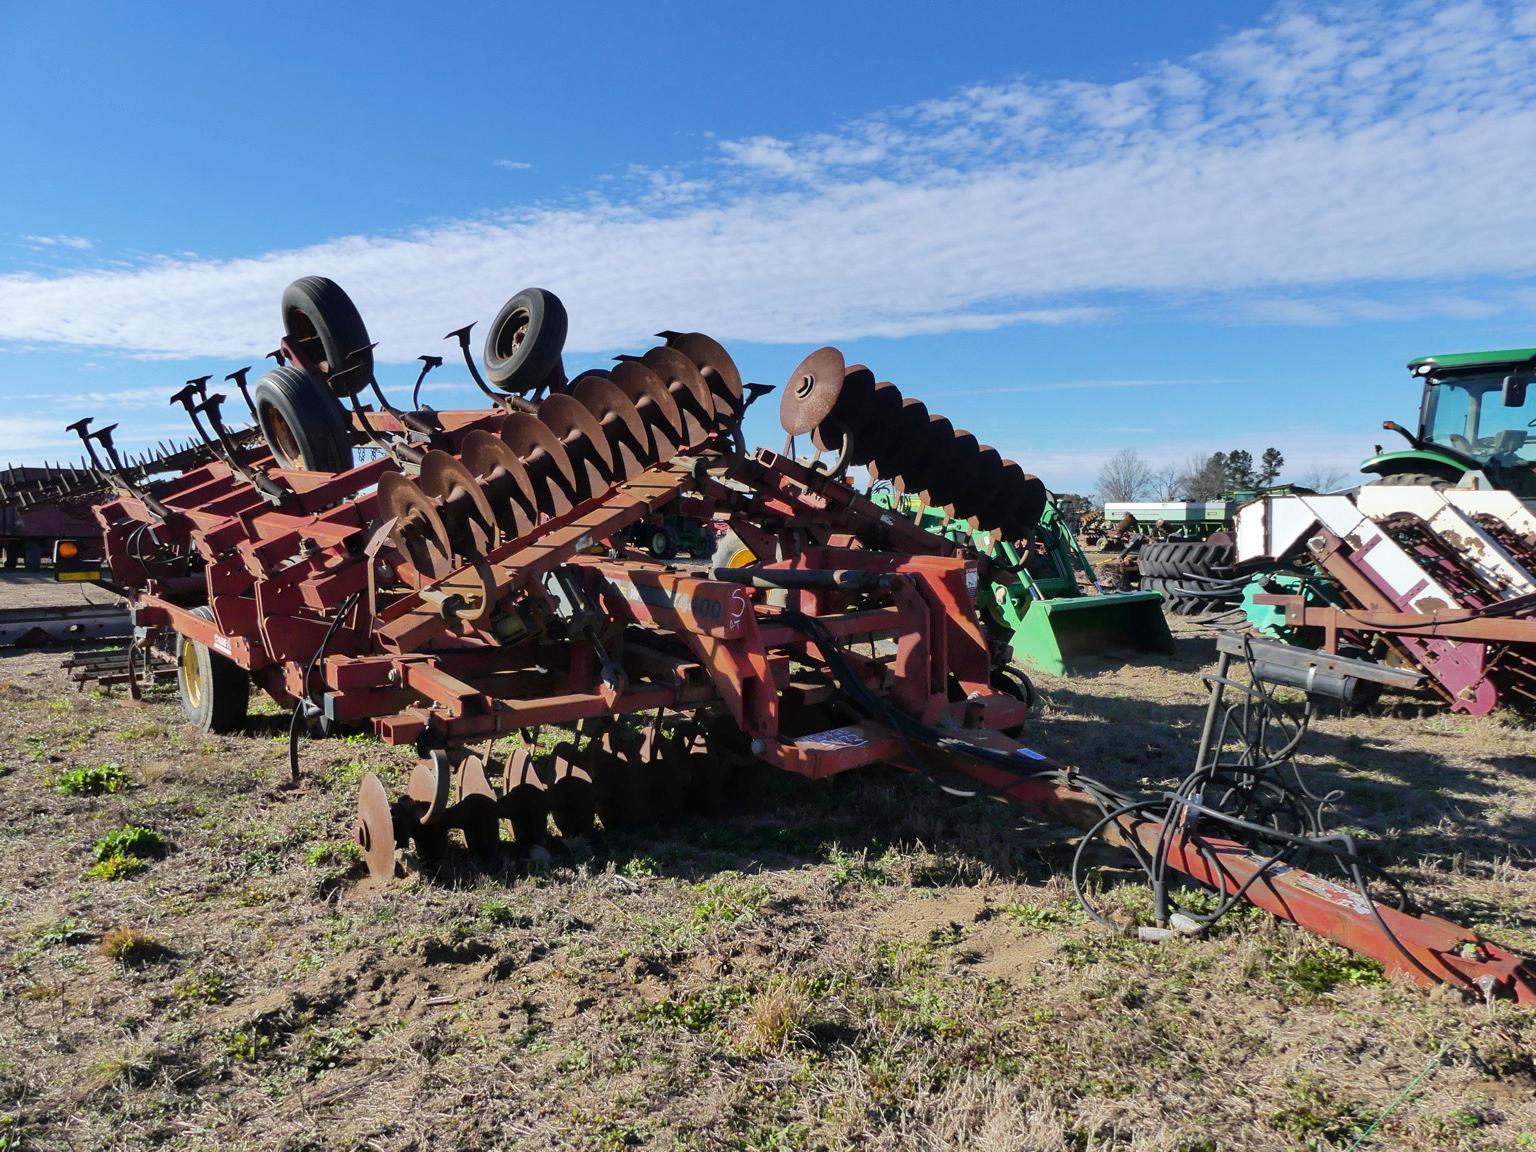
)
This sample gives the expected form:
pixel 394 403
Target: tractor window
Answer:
pixel 1467 415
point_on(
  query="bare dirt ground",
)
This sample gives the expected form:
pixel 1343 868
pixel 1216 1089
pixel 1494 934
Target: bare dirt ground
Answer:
pixel 866 964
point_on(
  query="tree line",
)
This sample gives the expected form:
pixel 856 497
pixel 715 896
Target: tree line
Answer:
pixel 1128 476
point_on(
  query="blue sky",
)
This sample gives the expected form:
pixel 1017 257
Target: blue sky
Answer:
pixel 1071 228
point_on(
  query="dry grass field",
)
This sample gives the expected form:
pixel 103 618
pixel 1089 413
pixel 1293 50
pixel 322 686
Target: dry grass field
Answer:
pixel 864 964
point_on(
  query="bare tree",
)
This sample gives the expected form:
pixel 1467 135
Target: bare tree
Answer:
pixel 1167 481
pixel 1125 476
pixel 1323 478
pixel 1204 477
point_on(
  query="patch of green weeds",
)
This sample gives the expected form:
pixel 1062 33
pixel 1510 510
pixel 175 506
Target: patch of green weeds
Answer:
pixel 1028 914
pixel 329 1048
pixel 573 1059
pixel 1322 967
pixel 498 913
pixel 1319 1120
pixel 856 870
pixel 728 898
pixel 122 853
pixel 145 731
pixel 351 773
pixel 202 987
pixel 640 868
pixel 334 852
pixel 56 932
pixel 92 780
pixel 697 1013
pixel 247 1046
pixel 116 868
pixel 143 843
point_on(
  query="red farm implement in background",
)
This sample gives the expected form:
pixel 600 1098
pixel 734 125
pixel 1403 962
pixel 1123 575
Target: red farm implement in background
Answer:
pixel 453 578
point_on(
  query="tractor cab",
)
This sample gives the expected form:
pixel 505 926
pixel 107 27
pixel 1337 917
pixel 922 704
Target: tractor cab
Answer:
pixel 1477 414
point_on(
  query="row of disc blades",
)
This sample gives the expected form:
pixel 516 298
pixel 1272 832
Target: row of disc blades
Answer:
pixel 846 410
pixel 606 426
pixel 607 773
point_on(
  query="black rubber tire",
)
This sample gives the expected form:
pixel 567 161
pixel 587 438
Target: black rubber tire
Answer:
pixel 223 693
pixel 323 325
pixel 1183 571
pixel 302 423
pixel 1417 480
pixel 662 544
pixel 33 552
pixel 524 342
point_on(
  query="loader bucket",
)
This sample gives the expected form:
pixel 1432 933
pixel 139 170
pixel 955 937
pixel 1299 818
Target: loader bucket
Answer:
pixel 1051 635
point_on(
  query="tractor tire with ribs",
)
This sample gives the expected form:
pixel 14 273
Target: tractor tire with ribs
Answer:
pixel 1189 574
pixel 328 335
pixel 302 423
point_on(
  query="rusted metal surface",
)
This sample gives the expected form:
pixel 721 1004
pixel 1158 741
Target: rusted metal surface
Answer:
pixel 472 584
pixel 62 624
pixel 847 411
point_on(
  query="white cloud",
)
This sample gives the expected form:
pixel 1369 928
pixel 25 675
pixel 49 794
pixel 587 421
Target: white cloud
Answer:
pixel 512 165
pixel 38 242
pixel 1315 166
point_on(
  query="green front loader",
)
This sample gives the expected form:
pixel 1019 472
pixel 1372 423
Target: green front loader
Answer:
pixel 1036 596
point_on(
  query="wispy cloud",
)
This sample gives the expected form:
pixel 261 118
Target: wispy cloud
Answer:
pixel 80 243
pixel 512 165
pixel 1318 159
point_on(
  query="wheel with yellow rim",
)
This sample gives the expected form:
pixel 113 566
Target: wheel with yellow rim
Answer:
pixel 215 691
pixel 732 553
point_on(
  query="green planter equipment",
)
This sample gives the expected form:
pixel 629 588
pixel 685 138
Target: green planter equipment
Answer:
pixel 1036 598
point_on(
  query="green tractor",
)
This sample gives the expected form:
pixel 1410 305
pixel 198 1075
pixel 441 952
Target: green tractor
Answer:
pixel 1473 421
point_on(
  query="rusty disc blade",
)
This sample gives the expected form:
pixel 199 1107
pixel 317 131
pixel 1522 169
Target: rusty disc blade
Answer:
pixel 857 406
pixel 506 482
pixel 620 419
pixel 375 828
pixel 525 798
pixel 715 365
pixel 1026 502
pixel 655 404
pixel 932 460
pixel 872 420
pixel 419 531
pixel 813 390
pixel 572 802
pixel 668 774
pixel 977 505
pixel 429 786
pixel 476 812
pixel 952 472
pixel 445 477
pixel 688 387
pixel 584 440
pixel 906 445
pixel 622 801
pixel 550 471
